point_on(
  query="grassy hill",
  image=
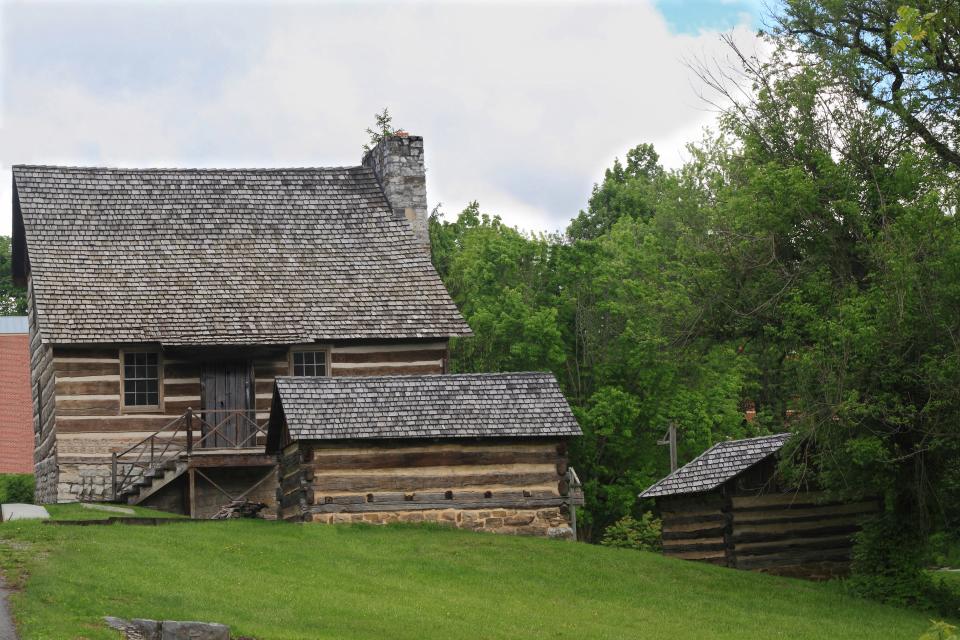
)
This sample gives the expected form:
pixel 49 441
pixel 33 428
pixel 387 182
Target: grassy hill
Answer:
pixel 274 580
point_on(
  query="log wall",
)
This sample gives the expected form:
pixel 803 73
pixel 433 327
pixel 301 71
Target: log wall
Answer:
pixel 509 487
pixel 798 533
pixel 74 447
pixel 696 527
pixel 42 380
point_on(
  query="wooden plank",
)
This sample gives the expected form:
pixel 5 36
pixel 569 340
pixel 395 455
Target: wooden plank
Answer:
pixel 522 503
pixel 86 352
pixel 382 482
pixel 709 531
pixel 107 424
pixel 85 407
pixel 384 371
pixel 785 514
pixel 191 389
pixel 779 499
pixel 835 530
pixel 694 528
pixel 182 370
pixel 462 495
pixel 792 558
pixel 680 521
pixel 233 460
pixel 73 369
pixel 414 355
pixel 435 458
pixel 88 387
pixel 843 520
pixel 778 546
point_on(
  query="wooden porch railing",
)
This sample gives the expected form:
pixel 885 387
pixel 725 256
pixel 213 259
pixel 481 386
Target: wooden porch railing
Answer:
pixel 178 437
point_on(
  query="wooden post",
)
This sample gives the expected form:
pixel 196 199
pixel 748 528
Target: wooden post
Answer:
pixel 670 438
pixel 189 430
pixel 192 477
pixel 113 469
pixel 673 447
pixel 151 449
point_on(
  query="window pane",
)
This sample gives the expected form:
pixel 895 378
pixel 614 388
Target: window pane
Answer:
pixel 309 363
pixel 141 379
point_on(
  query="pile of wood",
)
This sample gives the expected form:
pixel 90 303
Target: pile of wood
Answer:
pixel 240 509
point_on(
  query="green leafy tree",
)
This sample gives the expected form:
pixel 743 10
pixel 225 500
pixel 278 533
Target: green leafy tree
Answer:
pixel 13 299
pixel 382 129
pixel 900 56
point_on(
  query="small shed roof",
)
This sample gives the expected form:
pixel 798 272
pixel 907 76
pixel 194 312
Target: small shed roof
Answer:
pixel 222 256
pixel 716 465
pixel 431 406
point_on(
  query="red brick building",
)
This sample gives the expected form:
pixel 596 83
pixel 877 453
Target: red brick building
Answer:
pixel 16 403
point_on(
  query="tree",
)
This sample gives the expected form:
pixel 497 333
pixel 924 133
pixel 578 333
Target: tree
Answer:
pixel 899 55
pixel 382 129
pixel 13 299
pixel 625 191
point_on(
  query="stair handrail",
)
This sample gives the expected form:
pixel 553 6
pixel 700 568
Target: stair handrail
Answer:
pixel 186 423
pixel 119 484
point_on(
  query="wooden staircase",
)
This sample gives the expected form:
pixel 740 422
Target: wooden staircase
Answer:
pixel 165 455
pixel 154 479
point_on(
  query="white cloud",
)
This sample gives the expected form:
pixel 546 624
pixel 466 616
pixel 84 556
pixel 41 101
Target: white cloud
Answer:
pixel 521 107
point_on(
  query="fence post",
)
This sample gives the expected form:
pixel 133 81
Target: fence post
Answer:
pixel 189 430
pixel 113 469
pixel 151 449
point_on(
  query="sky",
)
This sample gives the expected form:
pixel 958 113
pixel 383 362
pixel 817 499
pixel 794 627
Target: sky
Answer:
pixel 521 106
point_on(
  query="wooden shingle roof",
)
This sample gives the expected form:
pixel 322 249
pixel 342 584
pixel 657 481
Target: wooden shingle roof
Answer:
pixel 431 406
pixel 232 256
pixel 716 465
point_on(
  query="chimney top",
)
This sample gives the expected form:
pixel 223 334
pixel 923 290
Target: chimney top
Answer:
pixel 397 161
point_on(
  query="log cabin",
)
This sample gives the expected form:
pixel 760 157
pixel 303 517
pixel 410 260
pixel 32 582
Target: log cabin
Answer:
pixel 479 451
pixel 163 303
pixel 729 507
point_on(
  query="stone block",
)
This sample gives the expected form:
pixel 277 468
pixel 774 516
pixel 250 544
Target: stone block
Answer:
pixel 519 519
pixel 173 630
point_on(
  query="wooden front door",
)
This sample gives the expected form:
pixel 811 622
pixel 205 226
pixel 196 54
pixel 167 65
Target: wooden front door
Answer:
pixel 225 387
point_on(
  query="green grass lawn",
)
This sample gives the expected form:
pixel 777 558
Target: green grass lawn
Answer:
pixel 276 580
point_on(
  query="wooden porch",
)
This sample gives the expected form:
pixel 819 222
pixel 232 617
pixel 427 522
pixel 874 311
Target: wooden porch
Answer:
pixel 187 457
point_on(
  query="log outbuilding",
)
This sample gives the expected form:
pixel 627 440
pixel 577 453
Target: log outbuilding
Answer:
pixel 479 451
pixel 728 507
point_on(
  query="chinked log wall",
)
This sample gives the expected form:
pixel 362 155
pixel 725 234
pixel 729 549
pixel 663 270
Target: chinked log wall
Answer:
pixel 797 534
pixel 515 487
pixel 90 424
pixel 42 379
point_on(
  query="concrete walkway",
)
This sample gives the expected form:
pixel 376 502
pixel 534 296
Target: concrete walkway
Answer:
pixel 7 631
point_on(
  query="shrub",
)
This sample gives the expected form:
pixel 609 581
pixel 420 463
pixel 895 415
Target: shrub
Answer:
pixel 16 487
pixel 941 631
pixel 630 533
pixel 888 566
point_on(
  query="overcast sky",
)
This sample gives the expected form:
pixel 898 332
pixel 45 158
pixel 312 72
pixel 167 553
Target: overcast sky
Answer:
pixel 521 106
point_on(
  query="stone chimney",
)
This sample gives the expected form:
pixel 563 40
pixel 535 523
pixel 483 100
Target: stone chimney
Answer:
pixel 397 162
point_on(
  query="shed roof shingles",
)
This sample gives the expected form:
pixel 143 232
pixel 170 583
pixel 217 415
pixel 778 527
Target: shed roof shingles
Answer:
pixel 231 256
pixel 431 406
pixel 716 465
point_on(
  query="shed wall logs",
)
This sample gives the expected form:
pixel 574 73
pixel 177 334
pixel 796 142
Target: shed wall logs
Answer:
pixel 795 533
pixel 514 487
pixel 695 527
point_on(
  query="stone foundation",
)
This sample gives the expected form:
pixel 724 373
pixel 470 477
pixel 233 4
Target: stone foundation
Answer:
pixel 84 483
pixel 531 522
